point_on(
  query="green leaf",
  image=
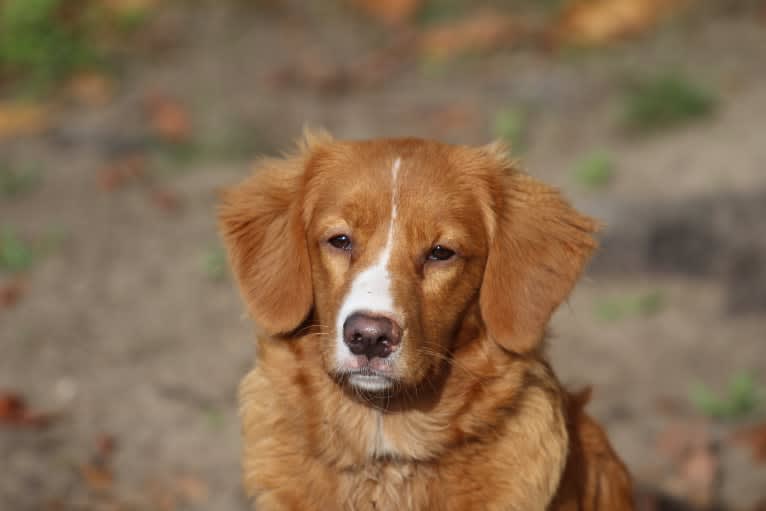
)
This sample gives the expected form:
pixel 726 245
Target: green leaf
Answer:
pixel 15 255
pixel 595 171
pixel 15 181
pixel 621 307
pixel 665 101
pixel 215 263
pixel 742 398
pixel 510 125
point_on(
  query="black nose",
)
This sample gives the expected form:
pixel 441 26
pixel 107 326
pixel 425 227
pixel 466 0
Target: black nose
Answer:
pixel 373 336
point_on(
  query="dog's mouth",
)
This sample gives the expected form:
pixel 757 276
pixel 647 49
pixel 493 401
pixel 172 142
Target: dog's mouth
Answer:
pixel 368 379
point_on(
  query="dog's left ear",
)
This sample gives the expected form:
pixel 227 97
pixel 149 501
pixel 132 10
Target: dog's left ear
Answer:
pixel 539 247
pixel 262 227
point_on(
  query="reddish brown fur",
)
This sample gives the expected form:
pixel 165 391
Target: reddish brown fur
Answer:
pixel 477 420
pixel 594 477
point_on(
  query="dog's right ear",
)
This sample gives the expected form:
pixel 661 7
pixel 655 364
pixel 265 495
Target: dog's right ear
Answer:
pixel 262 227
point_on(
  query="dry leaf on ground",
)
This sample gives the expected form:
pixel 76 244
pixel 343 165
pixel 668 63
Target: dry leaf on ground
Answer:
pixel 169 495
pixel 452 118
pixel 390 12
pixel 128 6
pixel 320 73
pixel 168 118
pixel 122 171
pixel 380 65
pixel 699 474
pixel 311 71
pixel 192 489
pixel 97 473
pixel 23 119
pixel 10 293
pixel 669 406
pixel 678 438
pixel 482 31
pixel 692 450
pixel 596 22
pixel 97 477
pixel 754 438
pixel 165 200
pixel 14 412
pixel 106 445
pixel 92 89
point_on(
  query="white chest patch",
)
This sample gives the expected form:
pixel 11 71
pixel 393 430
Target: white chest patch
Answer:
pixel 380 446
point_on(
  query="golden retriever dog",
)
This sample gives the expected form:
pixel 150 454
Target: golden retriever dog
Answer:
pixel 401 289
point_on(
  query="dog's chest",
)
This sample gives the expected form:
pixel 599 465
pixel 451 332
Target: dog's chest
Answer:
pixel 387 484
pixel 379 442
pixel 397 436
pixel 387 477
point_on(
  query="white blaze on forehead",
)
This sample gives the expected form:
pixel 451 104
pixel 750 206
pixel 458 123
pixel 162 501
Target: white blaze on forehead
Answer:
pixel 371 289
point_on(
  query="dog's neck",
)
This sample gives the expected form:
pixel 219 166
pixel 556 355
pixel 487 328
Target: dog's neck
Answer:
pixel 455 403
pixel 354 431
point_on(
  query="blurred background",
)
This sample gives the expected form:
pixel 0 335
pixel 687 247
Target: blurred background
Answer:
pixel 122 338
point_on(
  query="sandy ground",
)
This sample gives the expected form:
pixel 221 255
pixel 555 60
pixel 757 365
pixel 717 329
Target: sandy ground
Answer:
pixel 124 332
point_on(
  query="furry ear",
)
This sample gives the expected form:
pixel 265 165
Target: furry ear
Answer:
pixel 539 248
pixel 262 227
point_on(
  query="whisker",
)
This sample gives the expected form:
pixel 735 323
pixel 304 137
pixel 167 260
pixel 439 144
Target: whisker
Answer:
pixel 453 363
pixel 309 327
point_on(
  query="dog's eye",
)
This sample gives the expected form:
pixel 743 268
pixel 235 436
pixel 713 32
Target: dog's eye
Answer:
pixel 440 253
pixel 340 241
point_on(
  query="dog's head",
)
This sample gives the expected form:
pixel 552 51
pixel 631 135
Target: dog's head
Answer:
pixel 390 248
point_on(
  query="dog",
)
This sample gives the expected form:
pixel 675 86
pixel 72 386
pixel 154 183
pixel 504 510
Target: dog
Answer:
pixel 401 290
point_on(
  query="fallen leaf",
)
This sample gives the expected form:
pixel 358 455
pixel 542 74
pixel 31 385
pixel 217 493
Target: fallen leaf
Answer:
pixel 480 32
pixel 23 119
pixel 696 462
pixel 754 438
pixel 675 441
pixel 105 446
pixel 96 476
pixel 192 489
pixel 162 496
pixel 699 472
pixel 390 12
pixel 165 200
pixel 121 171
pixel 97 473
pixel 668 406
pixel 454 117
pixel 92 89
pixel 129 6
pixel 597 22
pixel 11 406
pixel 10 293
pixel 318 72
pixel 166 501
pixel 380 65
pixel 14 411
pixel 313 72
pixel 168 118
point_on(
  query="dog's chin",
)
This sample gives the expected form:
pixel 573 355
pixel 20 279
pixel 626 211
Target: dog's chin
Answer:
pixel 366 380
pixel 370 382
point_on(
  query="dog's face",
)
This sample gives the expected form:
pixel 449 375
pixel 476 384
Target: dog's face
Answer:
pixel 383 250
pixel 397 245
